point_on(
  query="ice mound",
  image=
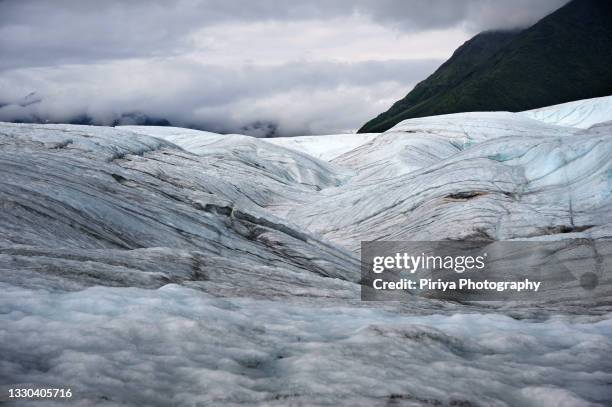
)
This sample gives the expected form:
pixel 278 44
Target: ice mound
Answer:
pixel 496 176
pixel 582 113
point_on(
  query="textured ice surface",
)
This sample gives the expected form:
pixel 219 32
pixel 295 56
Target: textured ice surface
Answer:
pixel 176 346
pixel 493 176
pixel 166 266
pixel 582 113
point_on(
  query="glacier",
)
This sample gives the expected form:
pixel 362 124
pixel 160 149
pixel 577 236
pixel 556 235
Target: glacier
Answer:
pixel 168 266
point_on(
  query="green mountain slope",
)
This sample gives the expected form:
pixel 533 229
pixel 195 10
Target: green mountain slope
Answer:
pixel 565 56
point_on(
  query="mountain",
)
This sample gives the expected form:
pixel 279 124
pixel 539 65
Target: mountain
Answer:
pixel 565 56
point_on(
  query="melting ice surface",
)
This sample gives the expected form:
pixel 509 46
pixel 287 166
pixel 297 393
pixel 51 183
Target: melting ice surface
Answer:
pixel 166 266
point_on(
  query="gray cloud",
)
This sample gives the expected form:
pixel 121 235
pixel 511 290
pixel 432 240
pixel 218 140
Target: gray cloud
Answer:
pixel 300 98
pixel 310 66
pixel 475 15
pixel 34 32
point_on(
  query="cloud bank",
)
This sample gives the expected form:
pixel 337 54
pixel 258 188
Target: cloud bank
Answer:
pixel 308 67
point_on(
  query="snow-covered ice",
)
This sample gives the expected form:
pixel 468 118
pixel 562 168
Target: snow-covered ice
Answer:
pixel 325 147
pixel 167 266
pixel 582 113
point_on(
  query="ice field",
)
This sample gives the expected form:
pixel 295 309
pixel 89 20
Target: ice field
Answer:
pixel 168 266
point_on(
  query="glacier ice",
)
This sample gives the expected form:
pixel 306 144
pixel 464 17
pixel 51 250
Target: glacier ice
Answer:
pixel 581 113
pixel 167 266
pixel 177 346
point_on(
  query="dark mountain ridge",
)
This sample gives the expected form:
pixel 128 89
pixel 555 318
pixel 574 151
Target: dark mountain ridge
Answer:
pixel 565 56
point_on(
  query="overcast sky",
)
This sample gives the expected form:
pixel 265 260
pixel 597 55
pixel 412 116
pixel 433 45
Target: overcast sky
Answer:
pixel 306 67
